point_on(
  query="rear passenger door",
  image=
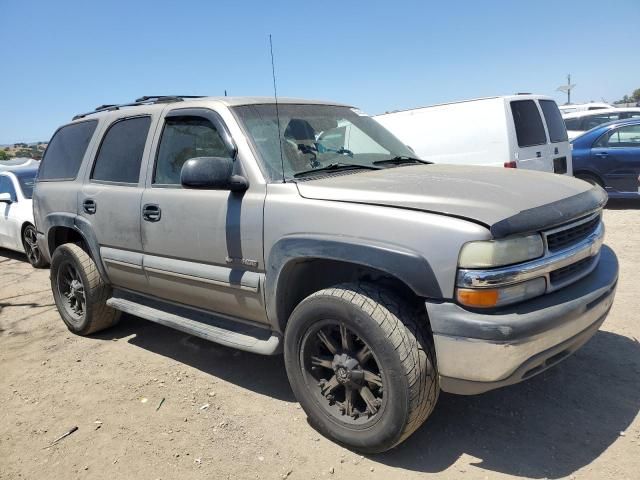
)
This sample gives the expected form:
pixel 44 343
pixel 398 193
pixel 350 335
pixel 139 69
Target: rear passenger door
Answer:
pixel 530 150
pixel 110 198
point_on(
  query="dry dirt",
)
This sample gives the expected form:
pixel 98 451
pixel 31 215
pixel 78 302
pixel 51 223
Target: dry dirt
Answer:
pixel 229 414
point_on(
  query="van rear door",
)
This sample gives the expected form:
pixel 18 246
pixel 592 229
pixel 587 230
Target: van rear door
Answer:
pixel 530 147
pixel 558 148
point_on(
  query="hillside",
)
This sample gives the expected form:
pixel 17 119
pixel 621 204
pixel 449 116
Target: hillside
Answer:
pixel 29 150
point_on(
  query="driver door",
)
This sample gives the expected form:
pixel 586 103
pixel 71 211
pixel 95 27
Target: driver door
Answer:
pixel 202 248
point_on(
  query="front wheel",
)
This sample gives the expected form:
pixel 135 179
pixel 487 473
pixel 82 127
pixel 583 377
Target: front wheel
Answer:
pixel 31 248
pixel 362 366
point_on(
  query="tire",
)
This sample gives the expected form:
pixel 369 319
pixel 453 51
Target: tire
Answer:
pixel 402 350
pixel 592 179
pixel 69 264
pixel 31 249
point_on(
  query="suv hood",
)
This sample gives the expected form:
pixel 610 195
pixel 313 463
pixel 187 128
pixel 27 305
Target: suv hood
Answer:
pixel 507 201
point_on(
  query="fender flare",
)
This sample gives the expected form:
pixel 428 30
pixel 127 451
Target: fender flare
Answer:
pixel 405 265
pixel 83 228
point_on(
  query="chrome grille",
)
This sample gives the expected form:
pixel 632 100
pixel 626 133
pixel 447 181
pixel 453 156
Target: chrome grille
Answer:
pixel 562 238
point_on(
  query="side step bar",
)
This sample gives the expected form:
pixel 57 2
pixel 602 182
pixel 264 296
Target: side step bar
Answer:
pixel 195 322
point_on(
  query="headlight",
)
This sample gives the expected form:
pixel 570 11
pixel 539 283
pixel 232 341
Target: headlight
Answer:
pixel 497 253
pixel 497 297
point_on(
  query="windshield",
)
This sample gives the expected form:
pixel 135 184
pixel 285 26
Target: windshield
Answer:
pixel 317 137
pixel 27 181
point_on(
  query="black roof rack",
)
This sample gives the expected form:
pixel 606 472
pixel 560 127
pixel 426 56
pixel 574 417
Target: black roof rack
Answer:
pixel 145 100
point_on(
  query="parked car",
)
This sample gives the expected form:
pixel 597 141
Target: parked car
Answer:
pixel 583 107
pixel 17 230
pixel 17 162
pixel 516 131
pixel 384 278
pixel 580 122
pixel 609 156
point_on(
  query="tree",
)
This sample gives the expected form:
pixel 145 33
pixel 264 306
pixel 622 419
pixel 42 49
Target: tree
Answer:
pixel 636 95
pixel 4 155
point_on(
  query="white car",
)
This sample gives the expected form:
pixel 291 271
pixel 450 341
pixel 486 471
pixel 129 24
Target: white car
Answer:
pixel 17 162
pixel 582 107
pixel 579 122
pixel 17 230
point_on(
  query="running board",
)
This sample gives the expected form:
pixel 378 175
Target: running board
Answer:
pixel 200 324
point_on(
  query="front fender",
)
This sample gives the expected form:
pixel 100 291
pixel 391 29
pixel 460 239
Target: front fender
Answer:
pixel 403 264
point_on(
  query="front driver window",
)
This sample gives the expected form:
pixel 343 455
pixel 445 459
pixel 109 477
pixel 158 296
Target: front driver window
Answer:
pixel 6 186
pixel 184 138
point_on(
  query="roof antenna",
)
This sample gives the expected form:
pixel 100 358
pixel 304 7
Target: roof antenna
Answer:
pixel 275 94
pixel 225 92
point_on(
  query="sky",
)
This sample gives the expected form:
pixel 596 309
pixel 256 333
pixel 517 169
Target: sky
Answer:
pixel 59 58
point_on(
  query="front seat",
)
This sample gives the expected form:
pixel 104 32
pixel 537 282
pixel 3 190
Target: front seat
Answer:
pixel 300 144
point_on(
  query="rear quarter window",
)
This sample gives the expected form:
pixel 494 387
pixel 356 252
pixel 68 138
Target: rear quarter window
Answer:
pixel 66 150
pixel 555 124
pixel 528 123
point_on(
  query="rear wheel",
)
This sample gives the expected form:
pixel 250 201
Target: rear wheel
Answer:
pixel 31 249
pixel 362 367
pixel 79 291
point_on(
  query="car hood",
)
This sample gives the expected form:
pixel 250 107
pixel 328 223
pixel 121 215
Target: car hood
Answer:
pixel 507 201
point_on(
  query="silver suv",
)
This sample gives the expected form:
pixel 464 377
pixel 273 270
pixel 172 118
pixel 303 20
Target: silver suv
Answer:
pixel 305 227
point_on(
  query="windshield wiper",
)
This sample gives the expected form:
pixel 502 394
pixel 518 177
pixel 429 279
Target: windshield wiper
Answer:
pixel 336 166
pixel 401 159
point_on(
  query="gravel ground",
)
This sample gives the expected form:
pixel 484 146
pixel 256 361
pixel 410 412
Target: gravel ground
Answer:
pixel 230 414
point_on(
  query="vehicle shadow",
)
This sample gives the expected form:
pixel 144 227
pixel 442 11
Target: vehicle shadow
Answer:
pixel 623 204
pixel 6 254
pixel 262 374
pixel 547 427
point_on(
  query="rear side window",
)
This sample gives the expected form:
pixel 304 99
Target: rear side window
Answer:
pixel 66 150
pixel 528 123
pixel 120 153
pixel 572 123
pixel 555 124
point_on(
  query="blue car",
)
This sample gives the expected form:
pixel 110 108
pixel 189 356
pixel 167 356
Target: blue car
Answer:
pixel 609 156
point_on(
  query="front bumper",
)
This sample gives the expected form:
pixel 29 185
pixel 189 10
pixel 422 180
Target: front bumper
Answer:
pixel 479 351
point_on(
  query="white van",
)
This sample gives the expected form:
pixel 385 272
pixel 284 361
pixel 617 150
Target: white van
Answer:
pixel 514 131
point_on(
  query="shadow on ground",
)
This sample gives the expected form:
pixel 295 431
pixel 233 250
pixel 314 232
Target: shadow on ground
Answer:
pixel 623 204
pixel 549 426
pixel 262 374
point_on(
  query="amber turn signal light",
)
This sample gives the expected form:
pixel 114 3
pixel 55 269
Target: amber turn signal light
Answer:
pixel 483 298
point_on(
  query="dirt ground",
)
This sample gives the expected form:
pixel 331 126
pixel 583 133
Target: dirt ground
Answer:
pixel 230 414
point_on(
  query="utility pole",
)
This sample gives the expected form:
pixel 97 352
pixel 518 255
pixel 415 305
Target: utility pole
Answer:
pixel 567 88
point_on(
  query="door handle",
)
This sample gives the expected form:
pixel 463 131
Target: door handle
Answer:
pixel 151 212
pixel 602 154
pixel 538 154
pixel 89 206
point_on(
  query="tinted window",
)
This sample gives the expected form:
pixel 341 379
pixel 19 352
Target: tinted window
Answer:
pixel 120 153
pixel 184 138
pixel 596 108
pixel 65 151
pixel 572 123
pixel 555 124
pixel 528 123
pixel 6 186
pixel 595 120
pixel 26 181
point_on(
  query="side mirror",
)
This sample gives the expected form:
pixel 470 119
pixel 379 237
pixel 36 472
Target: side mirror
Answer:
pixel 215 173
pixel 5 198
